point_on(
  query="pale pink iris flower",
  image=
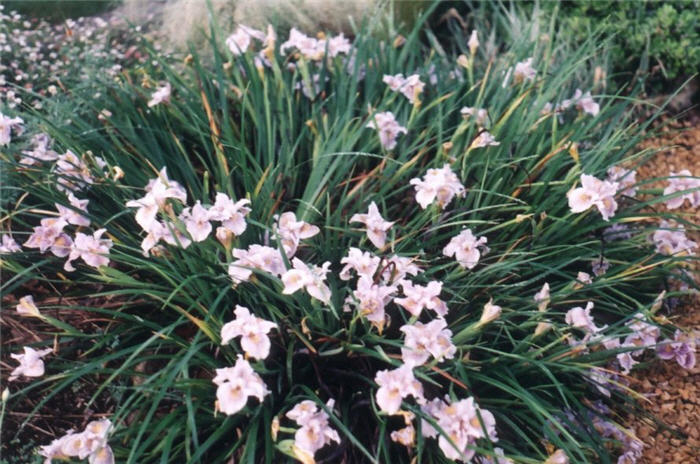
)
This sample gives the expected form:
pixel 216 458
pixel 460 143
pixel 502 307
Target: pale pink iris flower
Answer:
pixel 462 422
pixel 418 297
pixel 161 95
pixel 292 231
pixel 240 40
pixel 377 227
pixel 196 221
pixel 39 152
pixel 314 432
pixel 372 299
pixel 388 128
pixel 363 263
pixel 626 178
pixel 26 307
pixel 236 384
pixel 484 139
pixel 394 386
pixel 671 240
pixel 438 184
pixel 524 71
pixel 681 348
pixel 93 249
pixel 466 248
pixel 7 125
pixel 252 330
pixel 581 318
pixel 30 363
pixel 259 257
pixel 480 115
pixel 594 192
pixel 424 340
pixel 9 245
pixel 71 215
pixel 411 87
pixel 158 191
pixel 678 182
pixel 309 278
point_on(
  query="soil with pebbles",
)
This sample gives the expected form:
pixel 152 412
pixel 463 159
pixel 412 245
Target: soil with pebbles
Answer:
pixel 672 391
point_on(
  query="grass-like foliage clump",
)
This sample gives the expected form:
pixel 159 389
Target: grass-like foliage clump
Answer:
pixel 286 250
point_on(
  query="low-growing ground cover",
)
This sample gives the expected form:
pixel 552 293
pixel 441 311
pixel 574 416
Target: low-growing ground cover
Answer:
pixel 314 248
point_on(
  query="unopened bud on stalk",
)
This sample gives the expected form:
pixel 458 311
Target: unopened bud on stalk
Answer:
pixel 658 302
pixel 224 236
pixel 473 43
pixel 541 328
pixel 463 61
pixel 490 314
pixel 5 395
pixel 275 428
pixel 117 173
pixel 559 457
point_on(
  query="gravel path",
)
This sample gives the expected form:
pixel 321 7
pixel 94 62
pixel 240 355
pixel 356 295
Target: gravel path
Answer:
pixel 673 391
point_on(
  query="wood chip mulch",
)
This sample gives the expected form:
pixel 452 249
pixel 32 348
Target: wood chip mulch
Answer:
pixel 672 391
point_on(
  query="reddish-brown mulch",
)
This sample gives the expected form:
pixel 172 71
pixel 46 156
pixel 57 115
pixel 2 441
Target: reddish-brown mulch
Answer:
pixel 672 391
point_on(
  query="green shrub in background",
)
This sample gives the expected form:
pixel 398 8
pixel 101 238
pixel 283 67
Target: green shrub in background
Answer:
pixel 660 40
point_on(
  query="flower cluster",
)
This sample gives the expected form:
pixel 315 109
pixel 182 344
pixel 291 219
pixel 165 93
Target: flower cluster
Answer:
pixel 441 184
pixel 91 443
pixel 480 115
pixel 411 87
pixel 672 240
pixel 195 220
pixel 314 432
pixel 45 58
pixel 594 192
pixel 314 49
pixel 388 128
pixel 236 384
pixel 582 102
pixel 51 235
pixel 463 423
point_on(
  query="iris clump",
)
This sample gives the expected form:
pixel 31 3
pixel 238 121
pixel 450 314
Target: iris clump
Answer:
pixel 208 187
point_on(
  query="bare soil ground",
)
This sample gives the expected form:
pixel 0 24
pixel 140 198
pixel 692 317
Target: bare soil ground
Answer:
pixel 672 391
